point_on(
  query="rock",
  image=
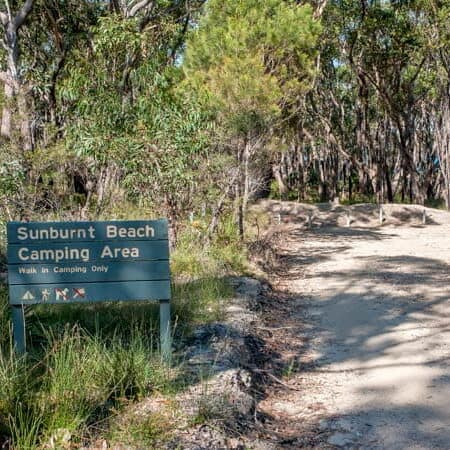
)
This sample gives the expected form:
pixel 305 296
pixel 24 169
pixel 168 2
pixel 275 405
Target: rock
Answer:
pixel 288 408
pixel 249 287
pixel 225 395
pixel 218 403
pixel 224 345
pixel 236 384
pixel 344 424
pixel 60 439
pixel 341 439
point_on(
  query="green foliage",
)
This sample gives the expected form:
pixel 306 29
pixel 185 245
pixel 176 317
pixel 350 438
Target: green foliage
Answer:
pixel 102 117
pixel 128 111
pixel 25 425
pixel 252 58
pixel 141 431
pixel 224 254
pixel 16 386
pixel 5 323
pixel 199 301
pixel 11 176
pixel 358 198
pixel 435 203
pixel 201 271
pixel 74 382
pixel 173 135
pixel 76 379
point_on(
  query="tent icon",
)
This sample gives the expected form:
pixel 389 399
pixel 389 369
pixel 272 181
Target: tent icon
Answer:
pixel 28 296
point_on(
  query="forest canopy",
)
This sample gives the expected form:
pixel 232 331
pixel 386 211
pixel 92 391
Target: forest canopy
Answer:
pixel 181 107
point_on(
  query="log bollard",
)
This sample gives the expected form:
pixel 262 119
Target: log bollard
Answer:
pixel 424 217
pixel 348 219
pixel 381 215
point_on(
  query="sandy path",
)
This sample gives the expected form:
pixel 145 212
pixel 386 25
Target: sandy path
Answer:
pixel 377 304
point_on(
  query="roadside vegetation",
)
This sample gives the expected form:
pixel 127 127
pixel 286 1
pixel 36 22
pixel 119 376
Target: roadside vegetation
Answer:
pixel 192 110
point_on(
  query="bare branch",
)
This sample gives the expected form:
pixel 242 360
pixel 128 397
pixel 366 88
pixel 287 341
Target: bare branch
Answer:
pixel 8 11
pixel 321 5
pixel 6 79
pixel 179 41
pixel 138 7
pixel 3 19
pixel 23 13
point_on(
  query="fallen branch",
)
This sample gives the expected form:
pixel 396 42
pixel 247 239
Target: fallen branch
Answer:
pixel 274 329
pixel 272 376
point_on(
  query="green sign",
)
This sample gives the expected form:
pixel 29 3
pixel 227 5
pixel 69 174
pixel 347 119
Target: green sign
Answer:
pixel 82 262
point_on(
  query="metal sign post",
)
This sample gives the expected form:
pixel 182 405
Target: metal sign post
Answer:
pixel 164 330
pixel 18 322
pixel 85 262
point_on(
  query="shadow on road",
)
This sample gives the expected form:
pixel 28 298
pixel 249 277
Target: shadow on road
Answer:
pixel 384 324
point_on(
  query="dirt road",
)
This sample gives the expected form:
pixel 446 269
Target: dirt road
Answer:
pixel 370 308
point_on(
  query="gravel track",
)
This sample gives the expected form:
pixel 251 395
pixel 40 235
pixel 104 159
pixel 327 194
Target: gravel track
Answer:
pixel 373 304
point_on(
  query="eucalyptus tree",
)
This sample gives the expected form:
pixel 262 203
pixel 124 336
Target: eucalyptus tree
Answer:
pixel 437 105
pixel 86 70
pixel 36 43
pixel 137 132
pixel 367 124
pixel 12 19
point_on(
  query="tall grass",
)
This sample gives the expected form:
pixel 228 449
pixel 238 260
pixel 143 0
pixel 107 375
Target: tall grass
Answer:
pixel 85 363
pixel 79 380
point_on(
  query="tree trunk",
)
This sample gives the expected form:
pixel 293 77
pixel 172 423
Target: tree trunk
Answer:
pixel 6 126
pixel 239 190
pixel 282 188
pixel 390 195
pixel 24 118
pixel 246 176
pixel 350 185
pixel 14 89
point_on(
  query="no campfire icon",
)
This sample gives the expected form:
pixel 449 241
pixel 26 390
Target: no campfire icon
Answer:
pixel 79 293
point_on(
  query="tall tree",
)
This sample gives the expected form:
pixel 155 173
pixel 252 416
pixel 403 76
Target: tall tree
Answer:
pixel 12 20
pixel 253 59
